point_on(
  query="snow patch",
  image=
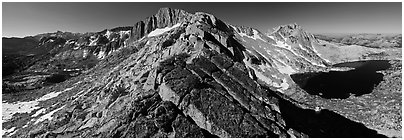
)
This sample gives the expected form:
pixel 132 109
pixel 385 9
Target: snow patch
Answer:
pixel 85 53
pixel 108 34
pixel 263 55
pixel 283 37
pixel 69 42
pixel 284 55
pixel 234 28
pixel 47 116
pixel 285 69
pixel 255 35
pixel 257 73
pixel 122 33
pixel 101 55
pixel 7 131
pixel 12 133
pixel 266 79
pixel 148 42
pixel 271 37
pixel 301 47
pixel 264 67
pixel 284 45
pixel 93 41
pixel 260 75
pixel 53 94
pixel 38 112
pixel 9 109
pixel 284 84
pixel 157 32
pixel 71 70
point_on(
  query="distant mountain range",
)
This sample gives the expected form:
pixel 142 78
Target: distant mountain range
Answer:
pixel 367 40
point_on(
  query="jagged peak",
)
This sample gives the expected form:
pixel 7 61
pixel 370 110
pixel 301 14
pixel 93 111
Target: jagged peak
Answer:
pixel 292 29
pixel 169 10
pixel 164 9
pixel 116 29
pixel 250 31
pixel 203 13
pixel 286 27
pixel 181 11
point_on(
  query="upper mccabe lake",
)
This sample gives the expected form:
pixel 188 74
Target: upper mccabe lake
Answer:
pixel 342 84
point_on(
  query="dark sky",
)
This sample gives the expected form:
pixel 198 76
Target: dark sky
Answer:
pixel 22 19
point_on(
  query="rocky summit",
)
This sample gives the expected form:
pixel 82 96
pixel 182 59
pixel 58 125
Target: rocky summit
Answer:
pixel 174 74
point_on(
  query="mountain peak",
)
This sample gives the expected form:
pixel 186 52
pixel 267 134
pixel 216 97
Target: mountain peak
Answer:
pixel 292 30
pixel 169 11
pixel 287 27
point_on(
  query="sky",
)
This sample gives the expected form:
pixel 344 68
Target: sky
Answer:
pixel 24 18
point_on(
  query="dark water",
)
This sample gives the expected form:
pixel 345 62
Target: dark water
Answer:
pixel 57 78
pixel 342 84
pixel 60 77
pixel 321 124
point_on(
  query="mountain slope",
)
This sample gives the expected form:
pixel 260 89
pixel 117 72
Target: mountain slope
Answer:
pixel 58 56
pixel 274 56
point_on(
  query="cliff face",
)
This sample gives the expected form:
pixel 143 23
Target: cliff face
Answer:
pixel 165 17
pixel 179 75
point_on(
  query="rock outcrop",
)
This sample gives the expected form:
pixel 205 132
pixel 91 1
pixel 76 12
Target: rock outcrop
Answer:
pixel 165 17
